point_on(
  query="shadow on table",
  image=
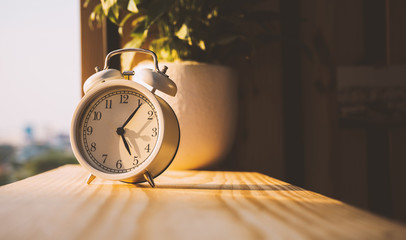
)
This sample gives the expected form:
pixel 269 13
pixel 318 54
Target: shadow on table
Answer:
pixel 210 186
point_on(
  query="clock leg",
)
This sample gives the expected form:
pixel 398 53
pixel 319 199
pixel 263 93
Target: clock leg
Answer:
pixel 149 178
pixel 90 178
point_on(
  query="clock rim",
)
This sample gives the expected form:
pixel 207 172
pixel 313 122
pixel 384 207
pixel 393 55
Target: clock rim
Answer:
pixel 79 114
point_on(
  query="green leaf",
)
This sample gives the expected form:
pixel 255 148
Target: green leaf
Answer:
pixel 107 5
pixel 111 9
pixel 132 6
pixel 183 32
pixel 162 47
pixel 139 25
pixel 123 21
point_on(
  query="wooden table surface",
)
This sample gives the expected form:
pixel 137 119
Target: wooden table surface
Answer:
pixel 184 205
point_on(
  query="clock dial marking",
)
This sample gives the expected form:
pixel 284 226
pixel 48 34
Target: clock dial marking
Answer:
pixel 104 134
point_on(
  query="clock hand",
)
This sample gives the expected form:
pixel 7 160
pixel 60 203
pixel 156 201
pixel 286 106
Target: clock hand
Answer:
pixel 120 131
pixel 131 116
pixel 126 144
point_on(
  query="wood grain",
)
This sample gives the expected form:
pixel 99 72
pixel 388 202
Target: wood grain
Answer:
pixel 185 205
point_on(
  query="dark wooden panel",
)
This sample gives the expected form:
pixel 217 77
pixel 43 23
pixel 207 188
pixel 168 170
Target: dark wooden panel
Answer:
pixel 378 170
pixel 396 31
pixel 259 144
pixel 349 32
pixel 353 167
pixel 397 163
pixel 259 138
pixel 375 31
pixel 292 91
pixel 319 97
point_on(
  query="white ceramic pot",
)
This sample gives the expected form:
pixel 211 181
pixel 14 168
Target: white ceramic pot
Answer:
pixel 206 107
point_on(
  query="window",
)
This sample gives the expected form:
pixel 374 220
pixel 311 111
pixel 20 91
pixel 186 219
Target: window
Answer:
pixel 40 78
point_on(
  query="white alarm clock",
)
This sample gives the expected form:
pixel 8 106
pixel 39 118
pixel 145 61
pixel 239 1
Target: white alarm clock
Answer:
pixel 121 130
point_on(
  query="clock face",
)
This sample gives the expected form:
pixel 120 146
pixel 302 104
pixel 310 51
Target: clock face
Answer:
pixel 118 130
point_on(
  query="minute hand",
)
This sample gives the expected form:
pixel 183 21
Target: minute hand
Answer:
pixel 131 116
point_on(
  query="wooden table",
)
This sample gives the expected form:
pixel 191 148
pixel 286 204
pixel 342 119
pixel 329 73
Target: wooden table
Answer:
pixel 184 205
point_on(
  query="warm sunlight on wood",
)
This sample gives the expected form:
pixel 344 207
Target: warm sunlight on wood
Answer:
pixel 184 205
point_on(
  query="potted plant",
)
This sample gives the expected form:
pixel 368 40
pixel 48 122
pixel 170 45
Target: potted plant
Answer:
pixel 196 39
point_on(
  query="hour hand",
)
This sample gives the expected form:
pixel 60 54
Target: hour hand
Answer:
pixel 126 144
pixel 120 131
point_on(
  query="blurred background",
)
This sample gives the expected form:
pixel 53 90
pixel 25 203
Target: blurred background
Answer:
pixel 40 78
pixel 321 100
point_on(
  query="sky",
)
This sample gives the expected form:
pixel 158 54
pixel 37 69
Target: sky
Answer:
pixel 39 67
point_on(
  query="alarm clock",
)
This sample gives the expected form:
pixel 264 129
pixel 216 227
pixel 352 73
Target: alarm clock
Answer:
pixel 121 130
